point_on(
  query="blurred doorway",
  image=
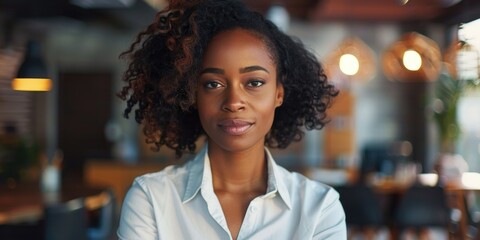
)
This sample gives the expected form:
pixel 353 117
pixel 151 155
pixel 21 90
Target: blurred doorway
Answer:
pixel 84 106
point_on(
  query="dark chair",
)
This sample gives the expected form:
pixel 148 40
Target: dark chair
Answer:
pixel 66 221
pixel 106 219
pixel 373 157
pixel 19 231
pixel 420 208
pixel 362 210
pixel 377 159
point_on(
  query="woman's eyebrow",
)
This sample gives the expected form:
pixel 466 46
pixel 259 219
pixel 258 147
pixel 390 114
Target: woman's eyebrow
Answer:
pixel 212 70
pixel 242 70
pixel 253 68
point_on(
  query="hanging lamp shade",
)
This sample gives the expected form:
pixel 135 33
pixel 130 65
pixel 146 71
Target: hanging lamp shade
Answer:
pixel 353 60
pixel 32 74
pixel 413 58
pixel 462 61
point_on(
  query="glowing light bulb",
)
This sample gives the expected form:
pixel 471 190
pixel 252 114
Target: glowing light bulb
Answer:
pixel 349 64
pixel 412 60
pixel 32 84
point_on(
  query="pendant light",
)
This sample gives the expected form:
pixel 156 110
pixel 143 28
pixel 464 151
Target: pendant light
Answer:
pixel 32 74
pixel 352 60
pixel 413 58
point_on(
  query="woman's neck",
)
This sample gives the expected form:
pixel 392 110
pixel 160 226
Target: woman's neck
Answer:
pixel 238 172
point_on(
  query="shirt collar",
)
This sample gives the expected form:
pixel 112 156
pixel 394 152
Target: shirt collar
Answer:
pixel 195 173
pixel 276 180
pixel 200 176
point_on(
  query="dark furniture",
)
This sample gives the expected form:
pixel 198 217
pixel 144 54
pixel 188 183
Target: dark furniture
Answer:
pixel 362 210
pixel 66 220
pixel 420 208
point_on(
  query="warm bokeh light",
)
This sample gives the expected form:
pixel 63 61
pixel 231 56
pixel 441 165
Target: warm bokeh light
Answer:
pixel 349 64
pixel 471 180
pixel 428 179
pixel 412 60
pixel 351 61
pixel 32 84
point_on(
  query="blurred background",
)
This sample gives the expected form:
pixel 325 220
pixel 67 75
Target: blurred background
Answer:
pixel 407 117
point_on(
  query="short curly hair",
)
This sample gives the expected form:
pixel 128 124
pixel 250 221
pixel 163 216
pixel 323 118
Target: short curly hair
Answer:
pixel 165 62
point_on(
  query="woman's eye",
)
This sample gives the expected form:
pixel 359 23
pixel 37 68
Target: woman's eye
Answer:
pixel 212 85
pixel 255 83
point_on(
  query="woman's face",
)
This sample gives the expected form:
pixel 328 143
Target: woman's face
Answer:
pixel 237 91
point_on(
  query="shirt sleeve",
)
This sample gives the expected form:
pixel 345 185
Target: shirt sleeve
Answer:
pixel 332 223
pixel 137 219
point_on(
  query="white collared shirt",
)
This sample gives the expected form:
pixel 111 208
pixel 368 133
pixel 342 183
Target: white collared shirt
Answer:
pixel 179 203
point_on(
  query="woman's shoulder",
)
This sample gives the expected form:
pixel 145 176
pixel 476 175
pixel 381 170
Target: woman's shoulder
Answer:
pixel 170 176
pixel 316 187
pixel 308 191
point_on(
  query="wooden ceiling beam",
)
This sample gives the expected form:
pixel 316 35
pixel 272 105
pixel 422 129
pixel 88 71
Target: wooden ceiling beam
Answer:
pixel 358 10
pixel 373 10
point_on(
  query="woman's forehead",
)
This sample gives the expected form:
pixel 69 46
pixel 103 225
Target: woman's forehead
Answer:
pixel 239 41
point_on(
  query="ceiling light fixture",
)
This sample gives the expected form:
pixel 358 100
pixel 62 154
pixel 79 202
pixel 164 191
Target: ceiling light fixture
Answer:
pixel 32 74
pixel 352 60
pixel 349 64
pixel 413 58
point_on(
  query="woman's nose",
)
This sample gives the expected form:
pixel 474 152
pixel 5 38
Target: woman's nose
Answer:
pixel 234 100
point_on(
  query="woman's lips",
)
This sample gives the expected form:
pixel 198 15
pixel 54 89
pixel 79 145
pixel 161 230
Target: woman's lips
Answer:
pixel 235 126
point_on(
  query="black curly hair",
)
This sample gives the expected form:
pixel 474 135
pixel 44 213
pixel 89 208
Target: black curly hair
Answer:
pixel 165 62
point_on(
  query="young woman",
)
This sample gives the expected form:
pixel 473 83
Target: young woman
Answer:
pixel 215 68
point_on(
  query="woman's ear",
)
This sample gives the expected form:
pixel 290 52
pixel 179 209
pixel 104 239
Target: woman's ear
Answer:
pixel 280 95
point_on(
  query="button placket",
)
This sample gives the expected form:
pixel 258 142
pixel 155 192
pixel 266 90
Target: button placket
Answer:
pixel 214 209
pixel 250 216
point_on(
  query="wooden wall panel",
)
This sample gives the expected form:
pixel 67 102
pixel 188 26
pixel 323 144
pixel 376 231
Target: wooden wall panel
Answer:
pixel 15 106
pixel 340 132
